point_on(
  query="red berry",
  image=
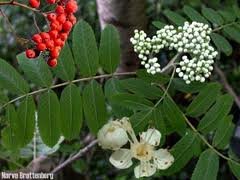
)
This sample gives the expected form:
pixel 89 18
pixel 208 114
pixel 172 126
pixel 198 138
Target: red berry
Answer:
pixel 51 1
pixel 30 53
pixel 52 62
pixel 67 26
pixel 63 36
pixel 59 10
pixel 41 47
pixel 34 3
pixel 53 34
pixel 45 36
pixel 51 16
pixel 54 53
pixel 61 18
pixel 72 19
pixel 50 44
pixel 71 7
pixel 58 42
pixel 37 38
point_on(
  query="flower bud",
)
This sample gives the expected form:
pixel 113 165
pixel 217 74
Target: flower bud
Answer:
pixel 112 136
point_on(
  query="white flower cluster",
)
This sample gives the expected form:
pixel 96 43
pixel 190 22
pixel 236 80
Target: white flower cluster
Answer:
pixel 192 40
pixel 116 134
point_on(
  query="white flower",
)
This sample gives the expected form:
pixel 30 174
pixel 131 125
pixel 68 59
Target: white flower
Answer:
pixel 144 151
pixel 112 136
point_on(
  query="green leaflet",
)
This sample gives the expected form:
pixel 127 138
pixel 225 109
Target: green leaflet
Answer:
pixel 142 88
pixel 132 101
pixel 36 70
pixel 183 151
pixel 12 133
pixel 11 80
pixel 228 16
pixel 235 168
pixel 222 44
pixel 49 118
pixel 111 88
pixel 109 50
pixel 194 15
pixel 71 112
pixel 223 133
pixel 26 120
pixel 85 49
pixel 158 24
pixel 207 166
pixel 94 106
pixel 174 115
pixel 65 69
pixel 204 100
pixel 174 17
pixel 218 111
pixel 181 86
pixel 157 78
pixel 233 33
pixel 212 16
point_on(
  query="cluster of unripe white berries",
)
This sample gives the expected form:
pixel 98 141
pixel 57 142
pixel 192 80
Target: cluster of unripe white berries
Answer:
pixel 192 41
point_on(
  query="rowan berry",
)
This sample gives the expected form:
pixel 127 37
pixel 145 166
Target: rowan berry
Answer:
pixel 45 36
pixel 41 47
pixel 59 9
pixel 63 36
pixel 58 42
pixel 30 53
pixel 67 26
pixel 53 34
pixel 51 16
pixel 61 18
pixel 51 1
pixel 71 7
pixel 54 53
pixel 50 44
pixel 37 38
pixel 34 3
pixel 52 62
pixel 72 19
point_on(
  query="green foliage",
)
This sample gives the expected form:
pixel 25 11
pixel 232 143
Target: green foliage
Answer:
pixel 223 133
pixel 212 16
pixel 94 106
pixel 12 133
pixel 204 100
pixel 26 122
pixel 235 168
pixel 36 70
pixel 71 112
pixel 109 50
pixel 222 44
pixel 217 112
pixel 174 17
pixel 207 166
pixel 183 151
pixel 11 80
pixel 174 115
pixel 193 14
pixel 65 69
pixel 48 118
pixel 233 33
pixel 85 49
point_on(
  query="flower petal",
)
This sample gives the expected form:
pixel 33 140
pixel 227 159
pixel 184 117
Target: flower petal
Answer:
pixel 121 159
pixel 163 159
pixel 145 169
pixel 151 136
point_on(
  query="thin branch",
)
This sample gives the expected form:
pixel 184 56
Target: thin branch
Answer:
pixel 75 157
pixel 223 26
pixel 65 84
pixel 35 22
pixel 13 162
pixel 227 85
pixel 14 3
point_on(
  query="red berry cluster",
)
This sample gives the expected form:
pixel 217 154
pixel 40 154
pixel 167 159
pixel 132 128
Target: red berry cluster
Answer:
pixel 61 22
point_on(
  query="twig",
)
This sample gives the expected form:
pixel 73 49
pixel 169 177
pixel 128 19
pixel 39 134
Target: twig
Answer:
pixel 13 162
pixel 35 22
pixel 75 157
pixel 14 3
pixel 65 84
pixel 227 85
pixel 223 26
